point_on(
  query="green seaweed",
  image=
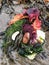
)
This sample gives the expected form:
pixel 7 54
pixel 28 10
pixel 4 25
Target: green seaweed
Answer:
pixel 17 26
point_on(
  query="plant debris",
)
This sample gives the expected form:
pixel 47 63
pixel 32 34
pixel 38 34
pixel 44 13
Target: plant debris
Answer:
pixel 23 36
pixel 9 46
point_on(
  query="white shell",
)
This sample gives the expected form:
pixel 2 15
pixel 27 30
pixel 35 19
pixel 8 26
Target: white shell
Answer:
pixel 32 56
pixel 14 35
pixel 40 34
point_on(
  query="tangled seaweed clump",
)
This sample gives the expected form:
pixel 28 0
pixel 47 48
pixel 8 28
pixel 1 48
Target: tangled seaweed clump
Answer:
pixel 23 36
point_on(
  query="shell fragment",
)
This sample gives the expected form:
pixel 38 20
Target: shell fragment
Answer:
pixel 14 35
pixel 40 36
pixel 32 56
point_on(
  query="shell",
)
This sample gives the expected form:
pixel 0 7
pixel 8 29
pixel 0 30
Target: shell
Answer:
pixel 40 35
pixel 14 35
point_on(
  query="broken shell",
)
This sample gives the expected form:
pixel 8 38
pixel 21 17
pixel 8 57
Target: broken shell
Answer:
pixel 40 36
pixel 14 35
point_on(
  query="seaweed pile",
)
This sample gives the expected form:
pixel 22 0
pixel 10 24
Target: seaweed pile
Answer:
pixel 24 34
pixel 11 48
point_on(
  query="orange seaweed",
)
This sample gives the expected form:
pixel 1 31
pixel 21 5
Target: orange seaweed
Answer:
pixel 37 24
pixel 16 18
pixel 46 1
